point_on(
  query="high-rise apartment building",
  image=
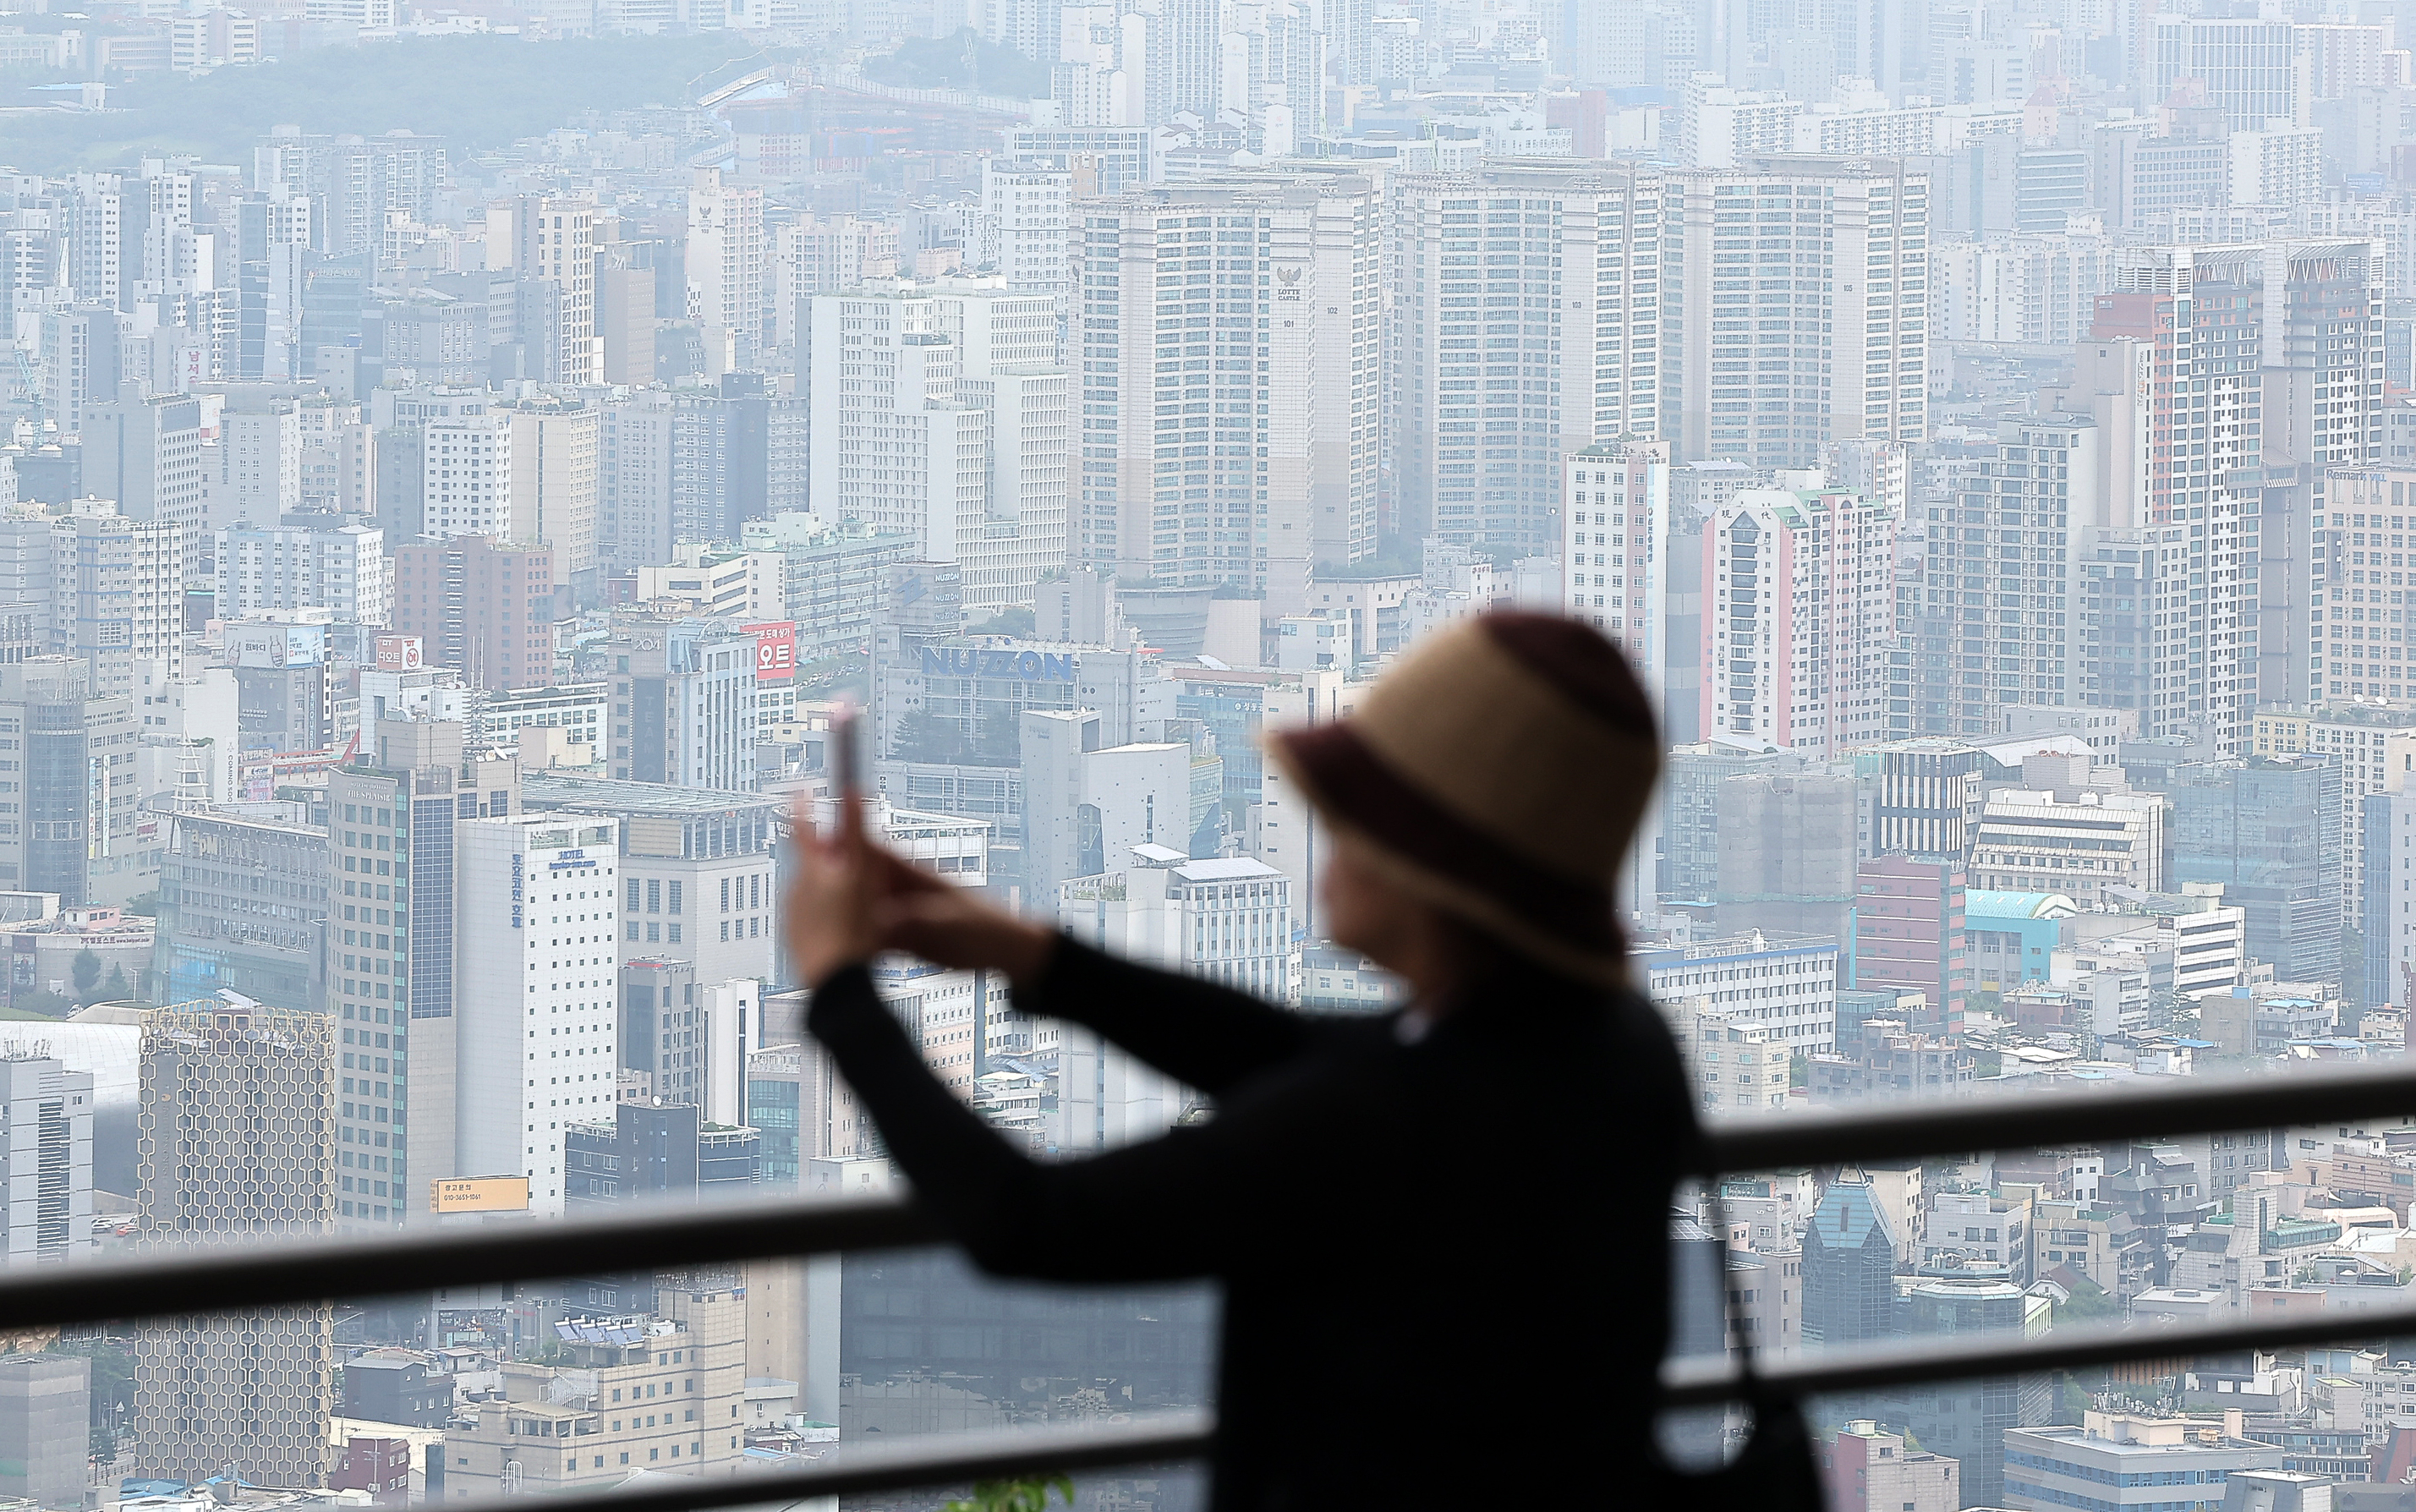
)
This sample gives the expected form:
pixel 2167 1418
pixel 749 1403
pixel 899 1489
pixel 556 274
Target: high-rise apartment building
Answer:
pixel 118 588
pixel 1230 383
pixel 479 604
pixel 1614 532
pixel 2243 66
pixel 466 475
pixel 1798 616
pixel 725 262
pixel 1526 326
pixel 535 993
pixel 1795 301
pixel 944 412
pixel 1024 227
pixel 556 486
pixel 551 241
pixel 1996 623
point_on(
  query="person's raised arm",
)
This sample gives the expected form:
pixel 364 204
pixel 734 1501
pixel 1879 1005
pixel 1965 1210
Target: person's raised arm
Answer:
pixel 1204 1035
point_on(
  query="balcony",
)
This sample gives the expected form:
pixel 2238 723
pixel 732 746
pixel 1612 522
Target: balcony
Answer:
pixel 253 1278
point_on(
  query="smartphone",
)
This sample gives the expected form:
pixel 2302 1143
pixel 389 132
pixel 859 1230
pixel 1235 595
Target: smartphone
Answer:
pixel 846 756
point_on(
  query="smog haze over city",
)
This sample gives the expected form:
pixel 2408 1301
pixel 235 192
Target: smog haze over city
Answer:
pixel 468 466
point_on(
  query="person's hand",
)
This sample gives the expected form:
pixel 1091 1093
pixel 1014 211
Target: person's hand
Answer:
pixel 854 898
pixel 942 922
pixel 830 915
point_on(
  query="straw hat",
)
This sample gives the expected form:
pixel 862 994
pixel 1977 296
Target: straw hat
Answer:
pixel 1498 771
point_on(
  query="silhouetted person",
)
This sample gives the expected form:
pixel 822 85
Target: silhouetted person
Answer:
pixel 1440 1231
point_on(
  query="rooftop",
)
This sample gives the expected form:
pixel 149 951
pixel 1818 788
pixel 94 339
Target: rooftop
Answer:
pixel 559 790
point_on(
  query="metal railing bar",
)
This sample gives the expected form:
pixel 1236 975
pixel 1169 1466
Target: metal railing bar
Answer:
pixel 924 1459
pixel 1968 1358
pixel 2061 1116
pixel 223 1277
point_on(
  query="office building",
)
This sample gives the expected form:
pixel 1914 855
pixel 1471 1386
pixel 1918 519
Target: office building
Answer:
pixel 1228 429
pixel 2269 829
pixel 697 879
pixel 1790 983
pixel 2374 746
pixel 617 1368
pixel 536 1021
pixel 2142 1461
pixel 945 416
pixel 1970 1419
pixel 1801 613
pixel 2072 828
pixel 1909 935
pixel 392 939
pixel 481 605
pixel 683 703
pixel 71 824
pixel 46 1114
pixel 1868 1469
pixel 259 1167
pixel 145 454
pixel 1996 621
pixel 1851 362
pixel 45 1427
pixel 242 906
pixel 466 476
pixel 304 562
pixel 1850 1254
pixel 556 493
pixel 252 476
pixel 1480 438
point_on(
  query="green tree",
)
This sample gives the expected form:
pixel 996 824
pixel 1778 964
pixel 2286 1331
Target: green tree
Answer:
pixel 2088 1303
pixel 117 988
pixel 1030 1495
pixel 1014 620
pixel 928 737
pixel 112 1388
pixel 84 971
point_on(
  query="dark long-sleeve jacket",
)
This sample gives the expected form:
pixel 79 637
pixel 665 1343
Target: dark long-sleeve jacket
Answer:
pixel 1444 1255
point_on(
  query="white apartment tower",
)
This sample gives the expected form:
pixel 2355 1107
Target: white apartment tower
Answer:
pixel 941 409
pixel 552 240
pixel 1229 381
pixel 725 262
pixel 1022 230
pixel 1796 309
pixel 535 993
pixel 466 476
pixel 1526 326
pixel 1612 534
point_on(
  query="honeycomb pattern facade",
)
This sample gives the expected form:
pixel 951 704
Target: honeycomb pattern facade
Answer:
pixel 233 1143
